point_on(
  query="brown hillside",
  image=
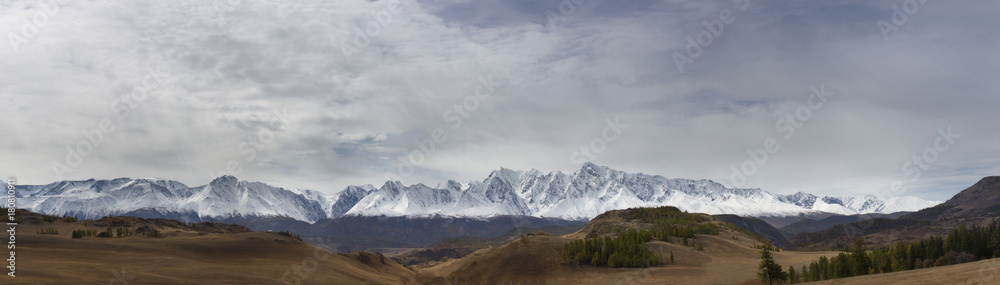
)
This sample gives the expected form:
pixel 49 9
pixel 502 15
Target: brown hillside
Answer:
pixel 203 254
pixel 981 199
pixel 724 260
pixel 976 205
pixel 979 272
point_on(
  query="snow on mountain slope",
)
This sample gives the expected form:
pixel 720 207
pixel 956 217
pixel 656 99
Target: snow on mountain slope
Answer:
pixel 224 197
pixel 583 194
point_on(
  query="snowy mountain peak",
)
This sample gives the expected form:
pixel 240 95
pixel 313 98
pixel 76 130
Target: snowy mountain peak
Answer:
pixel 224 180
pixel 585 193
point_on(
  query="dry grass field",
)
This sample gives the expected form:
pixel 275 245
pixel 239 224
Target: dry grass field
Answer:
pixel 724 261
pixel 226 254
pixel 187 256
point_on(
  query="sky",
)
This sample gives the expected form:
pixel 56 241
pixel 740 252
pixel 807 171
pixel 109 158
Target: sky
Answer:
pixel 887 98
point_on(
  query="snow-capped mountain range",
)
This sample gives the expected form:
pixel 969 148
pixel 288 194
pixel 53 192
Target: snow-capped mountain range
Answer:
pixel 583 194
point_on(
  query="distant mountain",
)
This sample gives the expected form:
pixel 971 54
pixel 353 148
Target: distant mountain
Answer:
pixel 757 226
pixel 580 195
pixel 979 200
pixel 810 225
pixel 978 204
pixel 357 233
pixel 223 198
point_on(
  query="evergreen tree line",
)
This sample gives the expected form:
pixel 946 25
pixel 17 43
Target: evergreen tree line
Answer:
pixel 766 246
pixel 624 250
pixel 48 231
pixel 665 231
pixel 669 214
pixel 669 222
pixel 963 244
pixel 107 233
pixel 84 233
pixel 124 232
pixel 64 218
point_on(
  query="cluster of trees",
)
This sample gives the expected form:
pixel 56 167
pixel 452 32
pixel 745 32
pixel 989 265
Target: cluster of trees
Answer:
pixel 665 231
pixel 672 222
pixel 119 232
pixel 48 231
pixel 64 218
pixel 295 236
pixel 766 246
pixel 152 233
pixel 963 244
pixel 624 250
pixel 123 232
pixel 669 221
pixel 84 233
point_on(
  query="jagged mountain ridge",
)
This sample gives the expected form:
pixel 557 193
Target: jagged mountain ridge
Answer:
pixel 583 194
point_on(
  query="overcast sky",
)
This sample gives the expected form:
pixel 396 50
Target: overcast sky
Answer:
pixel 325 94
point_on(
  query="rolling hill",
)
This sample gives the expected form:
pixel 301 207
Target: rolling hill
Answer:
pixel 727 258
pixel 203 253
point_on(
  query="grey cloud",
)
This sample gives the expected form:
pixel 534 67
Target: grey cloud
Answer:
pixel 351 122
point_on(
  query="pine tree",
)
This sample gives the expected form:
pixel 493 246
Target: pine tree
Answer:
pixel 805 274
pixel 768 270
pixel 859 258
pixel 671 257
pixel 814 272
pixel 824 268
pixel 792 278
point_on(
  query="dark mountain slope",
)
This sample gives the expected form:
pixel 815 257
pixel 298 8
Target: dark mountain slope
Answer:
pixel 757 226
pixel 978 204
pixel 811 225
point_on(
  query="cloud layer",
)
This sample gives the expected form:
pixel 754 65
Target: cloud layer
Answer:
pixel 324 94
